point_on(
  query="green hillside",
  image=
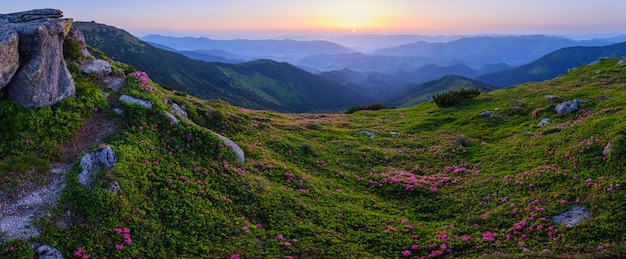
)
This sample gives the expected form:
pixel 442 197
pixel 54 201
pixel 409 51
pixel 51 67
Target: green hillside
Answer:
pixel 274 86
pixel 417 93
pixel 432 182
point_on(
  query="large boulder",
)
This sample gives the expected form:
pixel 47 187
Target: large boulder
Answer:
pixel 9 55
pixel 233 147
pixel 42 78
pixel 568 107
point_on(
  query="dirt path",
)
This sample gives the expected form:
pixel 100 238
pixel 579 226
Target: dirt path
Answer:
pixel 18 213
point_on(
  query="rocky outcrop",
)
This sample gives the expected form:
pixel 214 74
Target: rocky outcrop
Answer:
pixel 9 56
pixel 42 78
pixel 48 252
pixel 77 36
pixel 103 158
pixel 178 110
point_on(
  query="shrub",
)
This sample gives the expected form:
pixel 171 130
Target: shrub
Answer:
pixel 451 98
pixel 372 107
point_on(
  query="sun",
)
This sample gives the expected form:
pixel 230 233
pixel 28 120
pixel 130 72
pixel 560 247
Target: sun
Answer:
pixel 353 15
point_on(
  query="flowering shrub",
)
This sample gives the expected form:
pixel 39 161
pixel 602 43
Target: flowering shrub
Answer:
pixel 143 79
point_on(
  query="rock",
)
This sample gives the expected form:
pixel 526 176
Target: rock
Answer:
pixel 172 118
pixel 600 71
pixel 607 150
pixel 621 62
pixel 526 132
pixel 118 110
pixel 77 36
pixel 97 67
pixel 597 61
pixel 130 99
pixel 101 159
pixel 552 98
pixel 543 122
pixel 114 83
pixel 369 133
pixel 486 113
pixel 178 111
pixel 394 134
pixel 567 107
pixel 43 78
pixel 48 252
pixel 115 188
pixel 32 15
pixel 573 216
pixel 9 55
pixel 236 149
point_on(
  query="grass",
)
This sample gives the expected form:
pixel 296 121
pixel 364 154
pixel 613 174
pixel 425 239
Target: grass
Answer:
pixel 441 182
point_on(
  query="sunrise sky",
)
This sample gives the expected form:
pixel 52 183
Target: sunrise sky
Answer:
pixel 264 17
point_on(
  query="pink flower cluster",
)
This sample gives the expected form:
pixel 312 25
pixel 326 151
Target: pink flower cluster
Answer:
pixel 125 232
pixel 79 253
pixel 143 79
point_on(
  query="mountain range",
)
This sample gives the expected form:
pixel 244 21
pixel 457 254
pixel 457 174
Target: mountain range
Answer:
pixel 262 84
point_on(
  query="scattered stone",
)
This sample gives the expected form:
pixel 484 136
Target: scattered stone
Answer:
pixel 568 107
pixel 97 67
pixel 48 252
pixel 621 62
pixel 114 83
pixel 573 216
pixel 101 159
pixel 42 78
pixel 172 118
pixel 597 61
pixel 526 132
pixel 607 150
pixel 486 113
pixel 552 98
pixel 599 71
pixel 130 99
pixel 543 122
pixel 236 149
pixel 118 111
pixel 394 134
pixel 115 188
pixel 9 55
pixel 178 111
pixel 369 133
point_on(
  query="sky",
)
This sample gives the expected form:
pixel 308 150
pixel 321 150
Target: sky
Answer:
pixel 276 17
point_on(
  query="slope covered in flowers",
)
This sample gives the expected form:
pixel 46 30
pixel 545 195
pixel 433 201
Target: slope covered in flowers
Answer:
pixel 433 182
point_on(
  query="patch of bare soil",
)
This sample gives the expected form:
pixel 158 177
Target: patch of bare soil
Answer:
pixel 19 210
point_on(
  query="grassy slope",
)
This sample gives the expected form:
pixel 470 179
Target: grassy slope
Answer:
pixel 331 192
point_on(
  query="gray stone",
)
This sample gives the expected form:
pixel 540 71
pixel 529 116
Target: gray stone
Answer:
pixel 115 188
pixel 101 159
pixel 43 78
pixel 9 55
pixel 172 118
pixel 621 62
pixel 600 71
pixel 77 36
pixel 118 111
pixel 130 99
pixel 236 149
pixel 178 111
pixel 573 216
pixel 486 113
pixel 607 150
pixel 32 15
pixel 552 98
pixel 48 252
pixel 543 122
pixel 369 133
pixel 114 83
pixel 97 67
pixel 567 107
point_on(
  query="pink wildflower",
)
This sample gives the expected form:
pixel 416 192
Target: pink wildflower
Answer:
pixel 287 243
pixel 119 246
pixel 406 253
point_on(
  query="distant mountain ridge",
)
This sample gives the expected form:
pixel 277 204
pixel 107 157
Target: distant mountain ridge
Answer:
pixel 417 93
pixel 552 65
pixel 282 50
pixel 260 84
